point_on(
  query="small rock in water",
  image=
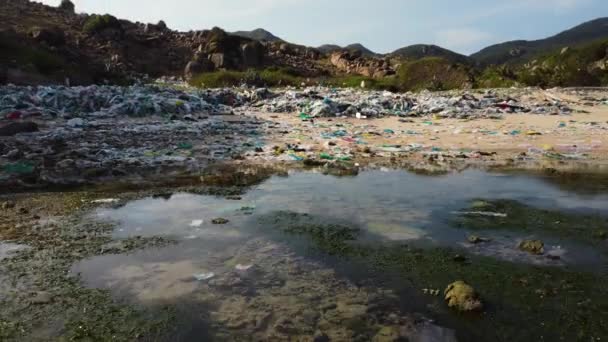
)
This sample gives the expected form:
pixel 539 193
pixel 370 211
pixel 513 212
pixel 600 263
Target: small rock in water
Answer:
pixel 459 258
pixel 532 246
pixel 220 220
pixel 387 334
pixel 474 239
pixel 462 297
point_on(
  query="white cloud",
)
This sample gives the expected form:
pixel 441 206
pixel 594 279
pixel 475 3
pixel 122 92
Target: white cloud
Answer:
pixel 463 39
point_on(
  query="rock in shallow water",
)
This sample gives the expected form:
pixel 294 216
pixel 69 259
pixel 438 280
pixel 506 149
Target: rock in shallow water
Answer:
pixel 462 296
pixel 532 246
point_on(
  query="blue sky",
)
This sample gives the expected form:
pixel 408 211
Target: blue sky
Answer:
pixel 464 26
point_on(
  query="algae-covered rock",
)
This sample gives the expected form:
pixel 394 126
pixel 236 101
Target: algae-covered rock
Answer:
pixel 387 334
pixel 532 246
pixel 462 297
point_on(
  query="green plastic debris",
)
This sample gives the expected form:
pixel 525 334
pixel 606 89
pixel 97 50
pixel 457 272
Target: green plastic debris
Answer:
pixel 304 116
pixel 326 156
pixel 184 146
pixel 296 157
pixel 20 168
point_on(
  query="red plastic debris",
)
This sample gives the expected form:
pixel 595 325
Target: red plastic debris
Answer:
pixel 14 115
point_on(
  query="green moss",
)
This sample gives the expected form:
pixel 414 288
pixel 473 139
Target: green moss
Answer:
pixel 520 217
pixel 331 238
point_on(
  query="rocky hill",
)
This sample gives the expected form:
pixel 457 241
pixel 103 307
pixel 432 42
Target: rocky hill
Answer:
pixel 40 44
pixel 355 48
pixel 414 52
pixel 43 44
pixel 523 50
pixel 258 34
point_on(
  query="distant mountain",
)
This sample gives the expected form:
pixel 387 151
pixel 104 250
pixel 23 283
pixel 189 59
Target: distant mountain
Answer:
pixel 523 50
pixel 258 34
pixel 365 52
pixel 362 49
pixel 329 48
pixel 414 52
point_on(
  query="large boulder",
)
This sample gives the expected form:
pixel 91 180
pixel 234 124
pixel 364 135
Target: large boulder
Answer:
pixel 198 66
pixel 253 54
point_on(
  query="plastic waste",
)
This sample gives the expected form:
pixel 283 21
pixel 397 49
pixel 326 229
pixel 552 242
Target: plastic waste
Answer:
pixel 105 201
pixel 196 223
pixel 20 168
pixel 203 276
pixel 241 267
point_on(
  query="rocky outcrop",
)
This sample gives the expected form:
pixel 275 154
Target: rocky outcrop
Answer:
pixel 354 63
pixel 219 50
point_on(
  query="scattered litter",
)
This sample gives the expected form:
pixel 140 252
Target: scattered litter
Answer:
pixel 479 213
pixel 196 223
pixel 106 201
pixel 240 267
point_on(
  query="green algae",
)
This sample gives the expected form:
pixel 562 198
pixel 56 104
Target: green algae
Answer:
pixel 516 216
pixel 73 313
pixel 521 302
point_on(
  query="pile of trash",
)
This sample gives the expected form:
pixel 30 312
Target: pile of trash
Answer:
pixel 110 101
pixel 327 102
pixel 143 100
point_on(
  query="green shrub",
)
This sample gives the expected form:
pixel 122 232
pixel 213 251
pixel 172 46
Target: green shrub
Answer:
pixel 433 73
pixel 271 77
pixel 67 6
pixel 97 23
pixel 496 77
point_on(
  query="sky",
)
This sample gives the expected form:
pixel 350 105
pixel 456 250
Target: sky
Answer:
pixel 464 26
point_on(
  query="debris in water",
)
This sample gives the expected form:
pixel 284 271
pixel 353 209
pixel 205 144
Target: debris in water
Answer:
pixel 474 239
pixel 196 223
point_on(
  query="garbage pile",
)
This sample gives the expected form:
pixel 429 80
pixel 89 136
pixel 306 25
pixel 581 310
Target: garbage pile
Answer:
pixel 326 102
pixel 110 101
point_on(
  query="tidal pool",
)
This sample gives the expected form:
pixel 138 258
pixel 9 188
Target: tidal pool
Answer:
pixel 354 258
